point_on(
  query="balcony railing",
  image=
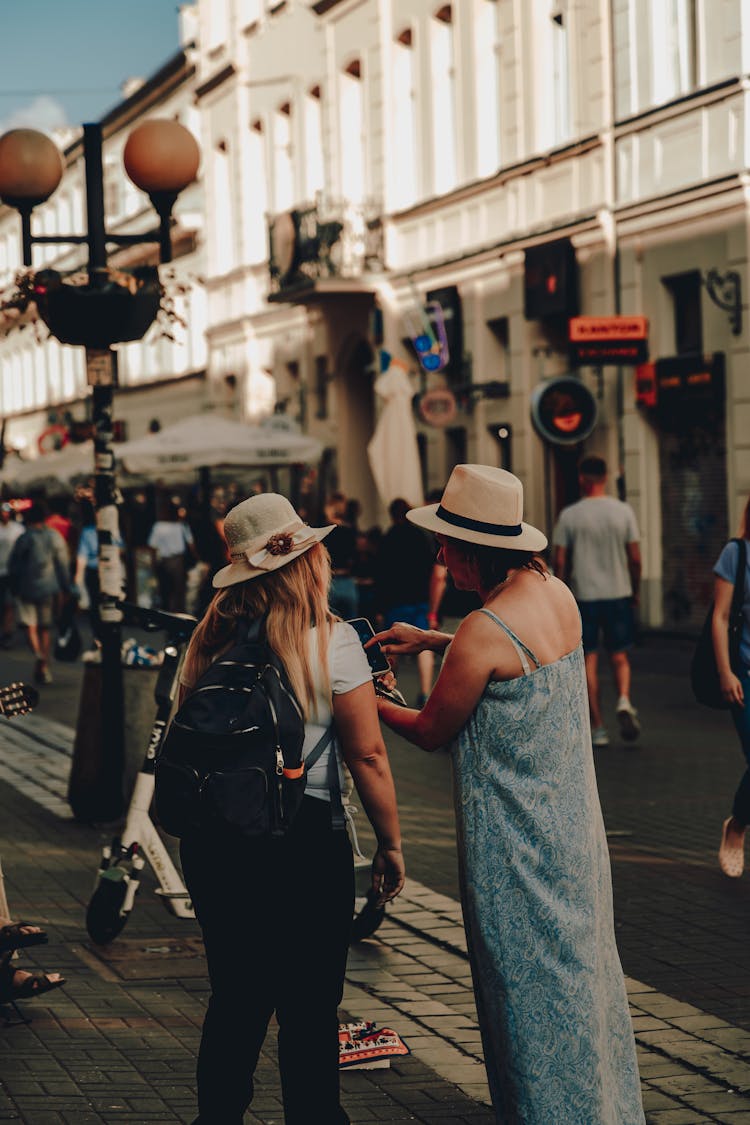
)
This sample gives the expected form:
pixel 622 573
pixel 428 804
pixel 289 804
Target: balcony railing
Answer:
pixel 323 241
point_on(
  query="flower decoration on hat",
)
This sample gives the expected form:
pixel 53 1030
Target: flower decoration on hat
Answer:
pixel 280 544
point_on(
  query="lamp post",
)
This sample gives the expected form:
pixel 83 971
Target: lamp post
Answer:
pixel 161 157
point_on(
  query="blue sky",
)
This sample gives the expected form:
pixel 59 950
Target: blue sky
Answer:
pixel 62 62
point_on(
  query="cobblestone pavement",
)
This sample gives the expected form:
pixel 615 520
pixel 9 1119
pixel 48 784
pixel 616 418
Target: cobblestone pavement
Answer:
pixel 118 1044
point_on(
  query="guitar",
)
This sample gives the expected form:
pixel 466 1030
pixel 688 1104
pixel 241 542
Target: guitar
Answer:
pixel 17 699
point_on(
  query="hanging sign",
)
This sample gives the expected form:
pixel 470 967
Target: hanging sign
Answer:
pixel 563 410
pixel 621 340
pixel 438 407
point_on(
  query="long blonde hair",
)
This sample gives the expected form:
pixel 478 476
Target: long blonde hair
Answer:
pixel 294 599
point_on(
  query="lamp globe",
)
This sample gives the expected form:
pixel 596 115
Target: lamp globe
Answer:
pixel 30 167
pixel 161 156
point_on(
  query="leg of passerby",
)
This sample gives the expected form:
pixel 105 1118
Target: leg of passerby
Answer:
pixel 27 612
pixel 732 848
pixel 619 634
pixel 590 627
pixel 231 886
pixel 426 669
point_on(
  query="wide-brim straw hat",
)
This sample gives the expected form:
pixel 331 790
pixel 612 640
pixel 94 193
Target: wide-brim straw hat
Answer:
pixel 481 505
pixel 264 533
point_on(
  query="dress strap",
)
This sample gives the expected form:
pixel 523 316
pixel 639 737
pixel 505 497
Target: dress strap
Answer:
pixel 522 649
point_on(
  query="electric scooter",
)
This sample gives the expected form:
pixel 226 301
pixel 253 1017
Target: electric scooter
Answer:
pixel 119 875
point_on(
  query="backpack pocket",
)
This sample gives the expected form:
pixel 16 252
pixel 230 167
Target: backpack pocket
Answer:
pixel 240 798
pixel 177 797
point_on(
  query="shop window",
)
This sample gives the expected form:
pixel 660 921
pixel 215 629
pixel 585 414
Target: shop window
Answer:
pixel 685 291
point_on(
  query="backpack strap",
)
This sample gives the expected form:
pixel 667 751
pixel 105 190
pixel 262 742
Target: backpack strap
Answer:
pixel 338 818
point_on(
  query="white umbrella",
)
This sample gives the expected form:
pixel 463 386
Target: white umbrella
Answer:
pixel 393 450
pixel 54 472
pixel 208 441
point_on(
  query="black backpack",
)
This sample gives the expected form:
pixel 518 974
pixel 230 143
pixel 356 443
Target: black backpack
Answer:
pixel 232 757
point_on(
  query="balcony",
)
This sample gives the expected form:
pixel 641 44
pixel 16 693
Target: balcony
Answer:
pixel 329 248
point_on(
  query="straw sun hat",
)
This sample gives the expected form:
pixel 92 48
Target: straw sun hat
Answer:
pixel 264 533
pixel 481 505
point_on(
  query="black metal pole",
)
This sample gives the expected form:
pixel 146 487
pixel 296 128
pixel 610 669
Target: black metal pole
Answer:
pixel 102 376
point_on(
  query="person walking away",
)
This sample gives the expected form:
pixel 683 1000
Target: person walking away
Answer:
pixel 10 531
pixel 169 539
pixel 735 687
pixel 597 548
pixel 39 571
pixel 87 562
pixel 404 571
pixel 536 885
pixel 342 547
pixel 276 912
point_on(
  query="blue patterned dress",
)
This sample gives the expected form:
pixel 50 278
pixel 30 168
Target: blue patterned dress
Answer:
pixel 537 899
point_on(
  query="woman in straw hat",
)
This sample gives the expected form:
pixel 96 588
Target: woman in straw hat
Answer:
pixel 535 877
pixel 257 906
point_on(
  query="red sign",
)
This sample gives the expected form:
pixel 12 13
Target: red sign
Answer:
pixel 645 385
pixel 612 329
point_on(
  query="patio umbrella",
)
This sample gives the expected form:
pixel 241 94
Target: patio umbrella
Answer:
pixel 54 472
pixel 205 441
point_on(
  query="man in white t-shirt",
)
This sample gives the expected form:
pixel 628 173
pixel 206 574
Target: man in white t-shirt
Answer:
pixel 597 550
pixel 10 530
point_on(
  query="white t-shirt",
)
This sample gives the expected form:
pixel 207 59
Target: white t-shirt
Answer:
pixel 596 530
pixel 348 669
pixel 169 538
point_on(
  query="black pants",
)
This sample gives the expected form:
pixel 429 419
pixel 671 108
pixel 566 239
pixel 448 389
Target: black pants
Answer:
pixel 276 917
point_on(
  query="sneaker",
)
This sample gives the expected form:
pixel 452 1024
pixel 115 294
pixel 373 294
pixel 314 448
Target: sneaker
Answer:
pixel 627 717
pixel 599 737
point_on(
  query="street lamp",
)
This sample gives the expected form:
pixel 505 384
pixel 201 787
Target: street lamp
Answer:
pixel 161 157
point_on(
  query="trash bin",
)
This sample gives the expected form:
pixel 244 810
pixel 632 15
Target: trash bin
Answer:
pixel 89 788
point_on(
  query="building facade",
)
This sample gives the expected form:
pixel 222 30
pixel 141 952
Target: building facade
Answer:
pixel 469 153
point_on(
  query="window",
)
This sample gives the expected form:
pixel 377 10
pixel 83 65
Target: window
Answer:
pixel 685 291
pixel 283 167
pixel 404 121
pixel 552 87
pixel 222 210
pixel 487 69
pixel 218 24
pixel 314 167
pixel 352 147
pixel 560 75
pixel 673 49
pixel 443 101
pixel 258 177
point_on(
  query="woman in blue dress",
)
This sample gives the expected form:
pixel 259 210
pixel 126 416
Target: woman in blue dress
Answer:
pixel 535 878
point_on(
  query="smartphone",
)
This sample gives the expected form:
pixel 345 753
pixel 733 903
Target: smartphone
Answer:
pixel 376 657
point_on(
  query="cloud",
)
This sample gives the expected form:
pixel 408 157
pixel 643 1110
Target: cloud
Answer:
pixel 42 113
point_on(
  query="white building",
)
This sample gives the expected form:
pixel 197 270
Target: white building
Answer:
pixel 408 148
pixel 43 383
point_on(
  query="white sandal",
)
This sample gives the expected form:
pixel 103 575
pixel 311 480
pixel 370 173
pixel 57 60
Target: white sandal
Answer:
pixel 731 856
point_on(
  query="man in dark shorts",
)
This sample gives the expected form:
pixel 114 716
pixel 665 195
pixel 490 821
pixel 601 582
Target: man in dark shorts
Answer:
pixel 403 570
pixel 597 550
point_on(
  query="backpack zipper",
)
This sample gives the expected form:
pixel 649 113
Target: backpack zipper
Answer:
pixel 279 758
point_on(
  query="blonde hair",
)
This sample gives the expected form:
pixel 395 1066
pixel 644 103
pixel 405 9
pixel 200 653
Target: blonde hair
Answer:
pixel 294 599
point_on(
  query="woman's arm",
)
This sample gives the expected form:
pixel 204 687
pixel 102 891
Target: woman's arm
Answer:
pixel 402 640
pixel 361 741
pixel 463 677
pixel 731 686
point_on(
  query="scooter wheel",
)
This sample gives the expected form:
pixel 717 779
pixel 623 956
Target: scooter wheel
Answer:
pixel 103 918
pixel 367 921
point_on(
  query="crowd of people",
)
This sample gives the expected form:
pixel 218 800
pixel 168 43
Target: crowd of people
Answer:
pixel 517 703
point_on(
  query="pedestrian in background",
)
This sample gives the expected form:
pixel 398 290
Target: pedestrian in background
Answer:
pixel 342 547
pixel 170 539
pixel 735 687
pixel 534 865
pixel 39 572
pixel 365 570
pixel 404 570
pixel 597 550
pixel 276 913
pixel 87 561
pixel 10 531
